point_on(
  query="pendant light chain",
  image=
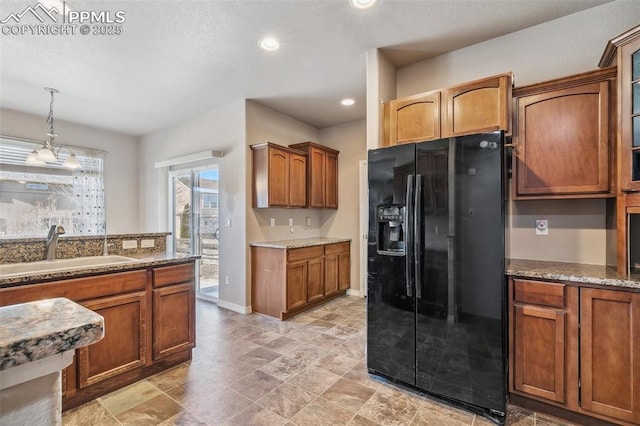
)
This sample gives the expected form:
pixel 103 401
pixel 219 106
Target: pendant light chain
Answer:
pixel 52 132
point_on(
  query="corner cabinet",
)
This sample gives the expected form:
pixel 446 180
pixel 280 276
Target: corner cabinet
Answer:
pixel 474 107
pixel 287 281
pixel 562 144
pixel 576 348
pixel 279 176
pixel 322 174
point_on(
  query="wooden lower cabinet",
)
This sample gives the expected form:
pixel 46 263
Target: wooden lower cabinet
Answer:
pixel 576 348
pixel 124 346
pixel 285 282
pixel 173 320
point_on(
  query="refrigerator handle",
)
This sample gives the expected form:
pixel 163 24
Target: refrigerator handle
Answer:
pixel 408 243
pixel 417 232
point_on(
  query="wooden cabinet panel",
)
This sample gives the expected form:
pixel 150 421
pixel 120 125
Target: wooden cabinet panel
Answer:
pixel 344 271
pixel 296 254
pixel 414 118
pixel 317 176
pixel 279 176
pixel 478 106
pixel 296 285
pixel 173 319
pixel 322 174
pixel 562 144
pixel 610 353
pixel 315 279
pixel 331 268
pixel 331 181
pixel 171 275
pixel 539 352
pixel 539 293
pixel 124 345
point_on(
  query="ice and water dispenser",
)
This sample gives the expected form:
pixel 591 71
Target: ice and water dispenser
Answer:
pixel 391 230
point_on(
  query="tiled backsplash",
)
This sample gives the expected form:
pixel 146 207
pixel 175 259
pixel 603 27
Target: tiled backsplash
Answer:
pixel 32 249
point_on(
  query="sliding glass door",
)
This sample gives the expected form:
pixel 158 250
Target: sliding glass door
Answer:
pixel 194 216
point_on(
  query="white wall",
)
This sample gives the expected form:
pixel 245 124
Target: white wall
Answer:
pixel 224 130
pixel 381 87
pixel 350 139
pixel 558 48
pixel 120 164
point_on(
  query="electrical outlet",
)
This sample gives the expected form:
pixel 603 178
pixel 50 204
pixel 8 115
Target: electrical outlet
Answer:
pixel 542 227
pixel 273 221
pixel 228 223
pixel 290 221
pixel 226 280
pixel 147 243
pixel 308 221
pixel 129 244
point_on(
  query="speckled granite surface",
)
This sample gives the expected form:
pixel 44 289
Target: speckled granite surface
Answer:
pixel 143 261
pixel 301 242
pixel 36 330
pixel 576 272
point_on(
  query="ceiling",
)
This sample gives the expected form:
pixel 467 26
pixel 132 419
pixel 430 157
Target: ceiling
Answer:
pixel 178 59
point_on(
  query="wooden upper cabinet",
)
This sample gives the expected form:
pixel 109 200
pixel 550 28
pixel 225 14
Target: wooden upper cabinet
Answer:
pixel 478 106
pixel 279 176
pixel 414 118
pixel 562 143
pixel 610 353
pixel 624 51
pixel 322 174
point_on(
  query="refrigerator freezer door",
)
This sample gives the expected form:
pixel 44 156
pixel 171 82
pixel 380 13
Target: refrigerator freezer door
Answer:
pixel 390 301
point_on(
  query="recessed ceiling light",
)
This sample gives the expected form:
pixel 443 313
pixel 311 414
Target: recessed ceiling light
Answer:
pixel 362 4
pixel 269 43
pixel 347 102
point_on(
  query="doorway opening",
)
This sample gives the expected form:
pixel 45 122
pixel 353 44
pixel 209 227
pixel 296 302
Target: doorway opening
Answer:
pixel 195 223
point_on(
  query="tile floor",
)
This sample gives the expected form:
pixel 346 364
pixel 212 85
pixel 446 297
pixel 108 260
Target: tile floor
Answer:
pixel 255 370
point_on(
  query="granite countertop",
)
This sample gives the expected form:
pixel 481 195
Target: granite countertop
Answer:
pixel 143 261
pixel 576 272
pixel 36 330
pixel 299 243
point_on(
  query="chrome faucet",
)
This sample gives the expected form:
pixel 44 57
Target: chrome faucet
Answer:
pixel 51 246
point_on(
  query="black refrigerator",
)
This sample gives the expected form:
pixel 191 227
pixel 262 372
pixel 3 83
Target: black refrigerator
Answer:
pixel 436 284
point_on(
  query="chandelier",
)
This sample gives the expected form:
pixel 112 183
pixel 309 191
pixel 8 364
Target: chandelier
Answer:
pixel 49 151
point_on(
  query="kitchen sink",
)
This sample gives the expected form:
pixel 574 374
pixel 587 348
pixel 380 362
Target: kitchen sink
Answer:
pixel 56 265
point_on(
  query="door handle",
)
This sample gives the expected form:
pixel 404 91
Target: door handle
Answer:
pixel 417 231
pixel 408 243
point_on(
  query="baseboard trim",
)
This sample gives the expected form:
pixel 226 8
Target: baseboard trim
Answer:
pixel 353 292
pixel 235 308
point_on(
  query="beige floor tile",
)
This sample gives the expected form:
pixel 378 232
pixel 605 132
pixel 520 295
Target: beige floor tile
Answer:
pixel 321 325
pixel 89 414
pixel 128 397
pixel 217 407
pixel 151 412
pixel 352 348
pixel 518 416
pixel 304 335
pixel 388 409
pixel 360 375
pixel 283 345
pixel 184 419
pixel 262 337
pixel 327 342
pixel 337 364
pixel 320 413
pixel 426 416
pixel 348 394
pixel 255 415
pixel 259 357
pixel 285 367
pixel 481 421
pixel 358 420
pixel 315 380
pixel 171 378
pixel 255 385
pixel 343 331
pixel 445 411
pixel 286 400
pixel 307 353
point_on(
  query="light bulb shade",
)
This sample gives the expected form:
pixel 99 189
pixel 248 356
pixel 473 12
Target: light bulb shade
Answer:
pixel 32 158
pixel 46 155
pixel 71 161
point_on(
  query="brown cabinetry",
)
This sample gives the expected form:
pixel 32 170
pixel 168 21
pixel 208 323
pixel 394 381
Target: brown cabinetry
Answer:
pixel 474 107
pixel 576 348
pixel 173 308
pixel 285 281
pixel 279 175
pixel 322 175
pixel 563 134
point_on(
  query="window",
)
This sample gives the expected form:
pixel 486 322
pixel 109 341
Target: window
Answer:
pixel 32 198
pixel 209 201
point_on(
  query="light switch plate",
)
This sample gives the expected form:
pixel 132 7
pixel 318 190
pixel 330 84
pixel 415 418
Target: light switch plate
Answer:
pixel 308 221
pixel 273 221
pixel 129 244
pixel 290 221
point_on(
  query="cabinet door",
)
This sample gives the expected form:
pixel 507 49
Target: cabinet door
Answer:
pixel 562 145
pixel 539 346
pixel 414 118
pixel 480 106
pixel 610 353
pixel 331 181
pixel 315 279
pixel 296 285
pixel 278 178
pixel 630 114
pixel 317 170
pixel 344 268
pixel 331 268
pixel 297 180
pixel 173 319
pixel 124 345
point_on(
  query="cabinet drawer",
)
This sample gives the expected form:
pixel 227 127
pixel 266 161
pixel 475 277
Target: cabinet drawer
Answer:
pixel 168 275
pixel 539 293
pixel 336 248
pixel 294 255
